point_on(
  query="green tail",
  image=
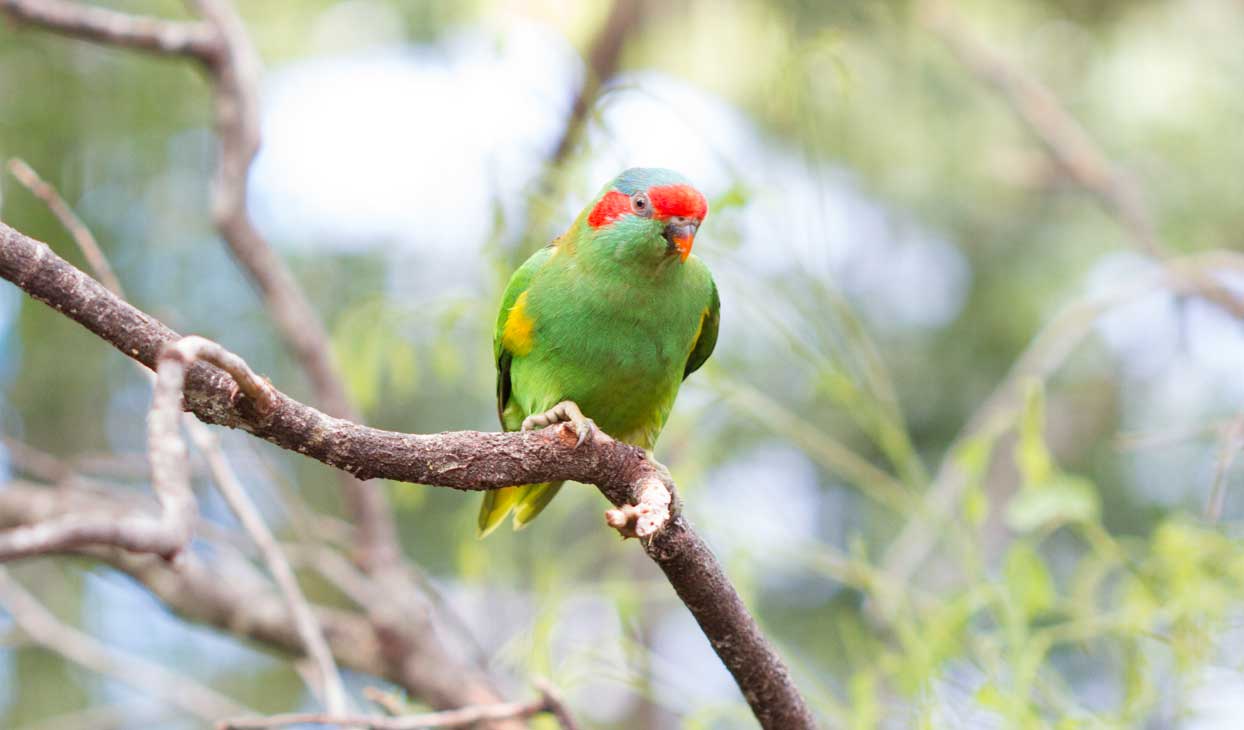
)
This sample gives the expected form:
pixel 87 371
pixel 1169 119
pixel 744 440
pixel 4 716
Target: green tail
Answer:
pixel 527 501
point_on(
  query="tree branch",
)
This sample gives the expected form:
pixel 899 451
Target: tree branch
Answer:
pixel 78 230
pixel 461 460
pixel 222 473
pixel 309 629
pixel 412 643
pixel 114 28
pixel 1045 353
pixel 1064 138
pixel 603 60
pixel 167 534
pixel 233 67
pixel 235 75
pixel 221 43
pixel 1067 142
pixel 222 595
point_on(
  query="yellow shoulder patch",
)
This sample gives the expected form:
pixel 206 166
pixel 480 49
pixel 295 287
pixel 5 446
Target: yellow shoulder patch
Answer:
pixel 516 335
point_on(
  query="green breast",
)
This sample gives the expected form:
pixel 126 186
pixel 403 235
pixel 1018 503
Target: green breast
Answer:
pixel 612 339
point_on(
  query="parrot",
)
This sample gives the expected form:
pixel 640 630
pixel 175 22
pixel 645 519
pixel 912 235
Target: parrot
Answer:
pixel 600 327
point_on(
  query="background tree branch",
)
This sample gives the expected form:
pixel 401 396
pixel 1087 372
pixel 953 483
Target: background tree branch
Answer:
pixel 223 595
pixel 225 51
pixel 164 684
pixel 111 27
pixel 1084 163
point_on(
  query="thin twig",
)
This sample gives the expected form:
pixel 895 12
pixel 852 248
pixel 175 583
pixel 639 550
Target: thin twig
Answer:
pixel 104 717
pixel 335 698
pixel 111 27
pixel 222 44
pixel 165 535
pixel 1227 451
pixel 26 175
pixel 463 717
pixel 1065 139
pixel 386 701
pixel 1045 353
pixel 79 648
pixel 1074 150
pixel 555 706
pixel 226 594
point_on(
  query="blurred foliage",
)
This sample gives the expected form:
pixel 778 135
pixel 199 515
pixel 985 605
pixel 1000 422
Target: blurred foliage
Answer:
pixel 1075 583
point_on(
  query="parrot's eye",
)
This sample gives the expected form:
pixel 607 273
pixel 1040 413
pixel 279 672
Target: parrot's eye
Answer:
pixel 641 205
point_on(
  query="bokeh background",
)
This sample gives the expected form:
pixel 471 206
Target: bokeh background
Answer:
pixel 889 238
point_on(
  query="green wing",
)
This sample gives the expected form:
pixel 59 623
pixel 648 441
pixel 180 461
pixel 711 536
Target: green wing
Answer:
pixel 529 499
pixel 513 290
pixel 707 338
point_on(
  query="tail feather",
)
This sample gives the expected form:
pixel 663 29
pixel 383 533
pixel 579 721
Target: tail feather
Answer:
pixel 496 506
pixel 535 497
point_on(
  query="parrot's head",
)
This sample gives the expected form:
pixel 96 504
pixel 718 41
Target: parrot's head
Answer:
pixel 647 215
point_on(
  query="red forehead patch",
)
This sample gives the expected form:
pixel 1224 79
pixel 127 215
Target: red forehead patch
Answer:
pixel 669 201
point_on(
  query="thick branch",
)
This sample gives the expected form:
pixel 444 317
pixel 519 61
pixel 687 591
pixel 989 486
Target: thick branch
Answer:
pixel 110 27
pixel 461 460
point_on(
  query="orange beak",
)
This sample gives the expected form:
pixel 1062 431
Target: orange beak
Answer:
pixel 680 235
pixel 683 245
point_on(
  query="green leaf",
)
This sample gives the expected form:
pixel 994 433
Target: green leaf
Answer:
pixel 1032 456
pixel 863 692
pixel 972 457
pixel 736 196
pixel 1028 579
pixel 991 698
pixel 975 505
pixel 1064 499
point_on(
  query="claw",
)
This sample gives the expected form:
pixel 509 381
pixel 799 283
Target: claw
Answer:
pixel 584 428
pixel 566 411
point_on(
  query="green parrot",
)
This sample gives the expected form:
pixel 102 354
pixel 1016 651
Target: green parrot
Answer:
pixel 601 326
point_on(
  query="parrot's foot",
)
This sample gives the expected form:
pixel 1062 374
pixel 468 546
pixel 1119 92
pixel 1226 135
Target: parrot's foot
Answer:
pixel 567 410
